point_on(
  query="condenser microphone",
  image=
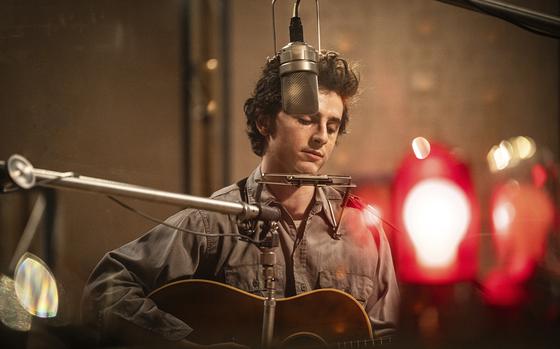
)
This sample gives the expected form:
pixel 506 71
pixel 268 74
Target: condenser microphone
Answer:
pixel 299 73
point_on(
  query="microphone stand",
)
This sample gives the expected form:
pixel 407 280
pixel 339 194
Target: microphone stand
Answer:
pixel 20 171
pixel 268 257
pixel 268 262
pixel 24 175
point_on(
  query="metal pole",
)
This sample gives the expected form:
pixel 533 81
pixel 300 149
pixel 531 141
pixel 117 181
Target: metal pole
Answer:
pixel 268 258
pixel 24 175
pixel 29 232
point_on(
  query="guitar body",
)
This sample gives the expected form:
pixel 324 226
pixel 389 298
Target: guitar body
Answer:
pixel 221 313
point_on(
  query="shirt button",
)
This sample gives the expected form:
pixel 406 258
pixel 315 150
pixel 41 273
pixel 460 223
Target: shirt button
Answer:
pixel 302 287
pixel 255 283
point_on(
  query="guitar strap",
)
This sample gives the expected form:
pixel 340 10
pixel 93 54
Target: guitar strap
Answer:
pixel 248 227
pixel 242 184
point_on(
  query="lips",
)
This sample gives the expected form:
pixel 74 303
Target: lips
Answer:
pixel 313 154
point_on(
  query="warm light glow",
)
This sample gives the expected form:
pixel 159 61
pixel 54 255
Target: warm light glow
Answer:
pixel 212 106
pixel 421 147
pixel 503 216
pixel 525 147
pixel 212 64
pixel 538 172
pixel 502 156
pixel 371 216
pixel 510 152
pixel 490 159
pixel 436 216
pixel 36 287
pixel 522 217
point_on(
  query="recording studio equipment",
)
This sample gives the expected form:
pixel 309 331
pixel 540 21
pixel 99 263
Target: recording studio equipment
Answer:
pixel 298 68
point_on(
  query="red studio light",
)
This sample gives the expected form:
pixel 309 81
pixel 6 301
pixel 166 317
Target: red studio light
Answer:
pixel 522 216
pixel 437 217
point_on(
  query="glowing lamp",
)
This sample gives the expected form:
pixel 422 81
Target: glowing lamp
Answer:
pixel 522 216
pixel 436 236
pixel 436 215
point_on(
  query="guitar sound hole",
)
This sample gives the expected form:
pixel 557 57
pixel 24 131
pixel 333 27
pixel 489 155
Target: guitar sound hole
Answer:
pixel 303 340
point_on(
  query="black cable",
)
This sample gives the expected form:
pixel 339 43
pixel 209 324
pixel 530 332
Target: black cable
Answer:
pixel 296 9
pixel 296 28
pixel 159 221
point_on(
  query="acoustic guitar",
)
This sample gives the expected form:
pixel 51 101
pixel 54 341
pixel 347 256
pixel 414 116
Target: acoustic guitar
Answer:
pixel 222 313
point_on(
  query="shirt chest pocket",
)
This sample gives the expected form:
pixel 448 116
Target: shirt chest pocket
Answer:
pixel 358 286
pixel 250 278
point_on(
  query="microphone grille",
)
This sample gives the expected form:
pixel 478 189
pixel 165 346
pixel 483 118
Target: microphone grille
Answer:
pixel 299 93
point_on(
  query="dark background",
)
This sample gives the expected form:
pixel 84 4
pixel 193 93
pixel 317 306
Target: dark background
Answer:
pixel 121 90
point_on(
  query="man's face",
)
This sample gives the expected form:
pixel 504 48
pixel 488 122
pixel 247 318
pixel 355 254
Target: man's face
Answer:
pixel 304 143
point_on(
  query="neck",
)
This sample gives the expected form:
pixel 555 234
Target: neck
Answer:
pixel 294 199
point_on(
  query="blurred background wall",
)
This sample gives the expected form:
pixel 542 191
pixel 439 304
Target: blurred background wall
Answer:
pixel 152 93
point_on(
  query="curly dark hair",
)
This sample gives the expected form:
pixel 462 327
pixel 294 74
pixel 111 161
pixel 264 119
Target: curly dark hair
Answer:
pixel 335 74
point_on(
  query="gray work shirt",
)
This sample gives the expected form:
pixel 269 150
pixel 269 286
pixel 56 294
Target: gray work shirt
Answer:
pixel 308 258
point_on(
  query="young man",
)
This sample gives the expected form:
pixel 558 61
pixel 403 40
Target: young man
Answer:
pixel 310 256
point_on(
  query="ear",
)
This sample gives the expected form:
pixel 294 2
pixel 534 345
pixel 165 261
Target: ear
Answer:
pixel 263 129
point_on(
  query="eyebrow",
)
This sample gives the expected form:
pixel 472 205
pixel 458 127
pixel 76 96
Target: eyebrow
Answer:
pixel 330 118
pixel 335 119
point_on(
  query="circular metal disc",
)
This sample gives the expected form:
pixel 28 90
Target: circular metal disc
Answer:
pixel 21 171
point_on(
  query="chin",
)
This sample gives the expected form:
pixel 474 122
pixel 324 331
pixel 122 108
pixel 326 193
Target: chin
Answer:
pixel 307 168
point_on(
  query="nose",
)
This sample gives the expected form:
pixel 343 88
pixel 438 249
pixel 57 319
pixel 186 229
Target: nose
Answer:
pixel 320 136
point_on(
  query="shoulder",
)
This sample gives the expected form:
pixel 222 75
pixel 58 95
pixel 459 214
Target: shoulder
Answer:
pixel 367 216
pixel 354 201
pixel 229 193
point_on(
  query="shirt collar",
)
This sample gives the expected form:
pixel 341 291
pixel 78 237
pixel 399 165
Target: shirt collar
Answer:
pixel 323 196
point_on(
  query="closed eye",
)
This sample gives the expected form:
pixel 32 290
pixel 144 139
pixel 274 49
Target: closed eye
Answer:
pixel 332 129
pixel 304 121
pixel 333 126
